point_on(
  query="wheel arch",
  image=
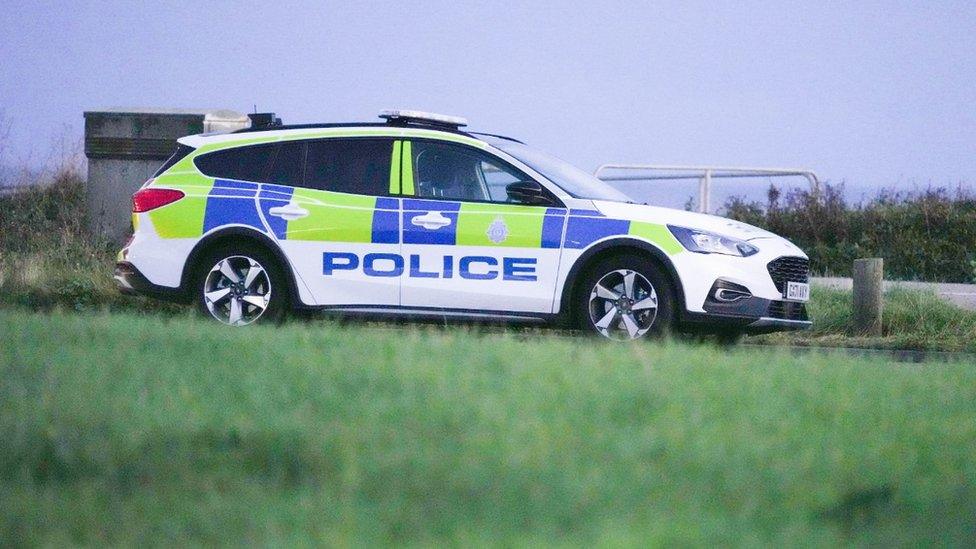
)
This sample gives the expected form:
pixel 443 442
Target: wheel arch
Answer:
pixel 612 247
pixel 237 235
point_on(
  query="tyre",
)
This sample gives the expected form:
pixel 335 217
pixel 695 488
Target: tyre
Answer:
pixel 625 297
pixel 238 285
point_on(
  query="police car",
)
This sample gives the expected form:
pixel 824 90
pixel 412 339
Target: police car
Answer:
pixel 415 216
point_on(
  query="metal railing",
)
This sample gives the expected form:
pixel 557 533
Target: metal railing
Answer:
pixel 704 175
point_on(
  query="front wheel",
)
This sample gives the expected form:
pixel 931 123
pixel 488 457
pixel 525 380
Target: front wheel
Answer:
pixel 625 298
pixel 240 287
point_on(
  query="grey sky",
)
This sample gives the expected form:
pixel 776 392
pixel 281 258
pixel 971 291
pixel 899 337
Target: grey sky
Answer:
pixel 868 92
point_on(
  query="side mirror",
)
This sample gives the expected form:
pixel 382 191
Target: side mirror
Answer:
pixel 528 192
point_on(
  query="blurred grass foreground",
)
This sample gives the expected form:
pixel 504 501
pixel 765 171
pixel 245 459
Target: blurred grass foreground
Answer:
pixel 122 430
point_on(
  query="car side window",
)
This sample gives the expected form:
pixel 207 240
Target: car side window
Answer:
pixel 288 166
pixel 448 171
pixel 497 179
pixel 356 166
pixel 249 163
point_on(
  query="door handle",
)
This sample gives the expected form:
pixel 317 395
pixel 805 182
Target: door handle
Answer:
pixel 431 220
pixel 290 212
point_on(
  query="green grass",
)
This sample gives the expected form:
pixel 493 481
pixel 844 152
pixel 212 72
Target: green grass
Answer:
pixel 124 429
pixel 911 320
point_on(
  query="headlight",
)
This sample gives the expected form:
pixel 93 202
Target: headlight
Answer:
pixel 704 242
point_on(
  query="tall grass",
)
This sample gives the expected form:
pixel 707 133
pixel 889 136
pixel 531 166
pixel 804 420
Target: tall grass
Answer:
pixel 928 235
pixel 46 254
pixel 912 320
pixel 48 258
pixel 125 430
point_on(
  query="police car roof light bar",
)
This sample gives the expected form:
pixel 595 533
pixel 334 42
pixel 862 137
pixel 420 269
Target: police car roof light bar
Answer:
pixel 406 116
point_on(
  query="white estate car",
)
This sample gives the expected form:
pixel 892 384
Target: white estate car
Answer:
pixel 413 216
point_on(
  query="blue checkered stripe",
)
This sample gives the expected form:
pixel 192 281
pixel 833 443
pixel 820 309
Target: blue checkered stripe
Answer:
pixel 585 227
pixel 233 203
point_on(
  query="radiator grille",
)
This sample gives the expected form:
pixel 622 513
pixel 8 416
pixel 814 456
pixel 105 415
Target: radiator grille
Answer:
pixel 788 269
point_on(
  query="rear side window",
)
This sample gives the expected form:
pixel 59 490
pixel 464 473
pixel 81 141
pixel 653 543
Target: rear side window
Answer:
pixel 356 166
pixel 179 154
pixel 252 163
pixel 288 164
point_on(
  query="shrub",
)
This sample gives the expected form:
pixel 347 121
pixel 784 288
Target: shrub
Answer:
pixel 927 235
pixel 48 258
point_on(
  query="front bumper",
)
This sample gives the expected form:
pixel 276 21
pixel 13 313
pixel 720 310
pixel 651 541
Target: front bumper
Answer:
pixel 767 324
pixel 698 272
pixel 750 314
pixel 713 323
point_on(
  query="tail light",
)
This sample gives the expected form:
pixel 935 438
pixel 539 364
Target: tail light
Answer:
pixel 152 198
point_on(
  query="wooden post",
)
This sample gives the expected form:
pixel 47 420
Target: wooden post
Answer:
pixel 868 296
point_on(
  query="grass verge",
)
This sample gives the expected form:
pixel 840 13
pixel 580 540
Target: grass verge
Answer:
pixel 124 430
pixel 912 320
pixel 48 259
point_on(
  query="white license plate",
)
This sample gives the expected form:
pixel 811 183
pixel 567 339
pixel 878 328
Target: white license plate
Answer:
pixel 797 291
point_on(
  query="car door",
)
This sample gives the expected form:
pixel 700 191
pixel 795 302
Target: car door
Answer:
pixel 335 221
pixel 466 244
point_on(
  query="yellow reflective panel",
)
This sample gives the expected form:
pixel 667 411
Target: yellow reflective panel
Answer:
pixel 407 169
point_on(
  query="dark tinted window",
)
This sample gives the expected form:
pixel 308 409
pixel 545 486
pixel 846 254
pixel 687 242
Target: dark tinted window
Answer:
pixel 243 163
pixel 179 154
pixel 443 170
pixel 288 164
pixel 357 166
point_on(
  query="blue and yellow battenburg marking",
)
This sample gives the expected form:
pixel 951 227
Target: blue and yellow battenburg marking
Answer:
pixel 340 217
pixel 232 202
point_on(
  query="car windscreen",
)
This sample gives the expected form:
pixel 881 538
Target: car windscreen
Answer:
pixel 571 179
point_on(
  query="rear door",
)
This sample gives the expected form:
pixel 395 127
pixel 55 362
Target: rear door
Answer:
pixel 335 220
pixel 466 246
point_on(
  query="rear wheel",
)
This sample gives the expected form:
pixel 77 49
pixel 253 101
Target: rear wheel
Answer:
pixel 624 298
pixel 237 286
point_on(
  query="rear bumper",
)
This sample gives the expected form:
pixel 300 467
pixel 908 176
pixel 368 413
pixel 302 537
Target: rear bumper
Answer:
pixel 131 281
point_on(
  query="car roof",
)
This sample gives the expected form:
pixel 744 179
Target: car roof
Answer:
pixel 312 131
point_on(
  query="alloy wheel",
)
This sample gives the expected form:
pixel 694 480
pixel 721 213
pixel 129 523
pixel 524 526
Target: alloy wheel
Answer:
pixel 623 305
pixel 237 290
